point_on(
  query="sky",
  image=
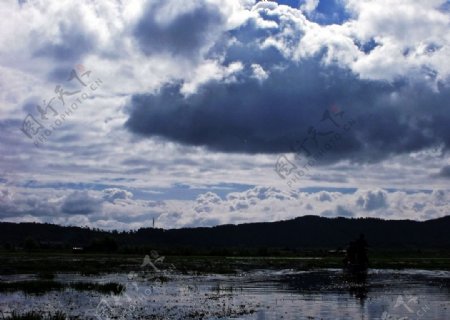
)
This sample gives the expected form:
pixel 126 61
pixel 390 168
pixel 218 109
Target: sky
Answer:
pixel 207 112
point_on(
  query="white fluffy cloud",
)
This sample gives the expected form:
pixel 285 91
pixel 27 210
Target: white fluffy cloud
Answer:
pixel 114 194
pixel 372 200
pixel 252 205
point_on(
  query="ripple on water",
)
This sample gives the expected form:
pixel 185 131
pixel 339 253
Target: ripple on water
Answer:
pixel 262 295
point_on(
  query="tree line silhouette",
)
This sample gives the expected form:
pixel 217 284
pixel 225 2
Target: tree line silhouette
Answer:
pixel 303 233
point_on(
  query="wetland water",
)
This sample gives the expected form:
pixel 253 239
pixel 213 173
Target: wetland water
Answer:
pixel 260 294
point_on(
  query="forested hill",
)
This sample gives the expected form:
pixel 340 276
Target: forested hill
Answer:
pixel 308 232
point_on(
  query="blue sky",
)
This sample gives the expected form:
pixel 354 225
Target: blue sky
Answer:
pixel 214 112
pixel 326 12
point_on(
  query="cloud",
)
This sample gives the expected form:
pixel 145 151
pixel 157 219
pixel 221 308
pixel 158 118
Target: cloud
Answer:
pixel 20 203
pixel 80 202
pixel 340 211
pixel 445 172
pixel 251 117
pixel 440 197
pixel 373 200
pixel 114 194
pixel 5 195
pixel 309 5
pixel 343 212
pixel 70 44
pixel 214 111
pixel 251 205
pixel 180 29
pixel 324 196
pixel 206 201
pixel 294 71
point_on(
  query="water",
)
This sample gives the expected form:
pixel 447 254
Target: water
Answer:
pixel 260 295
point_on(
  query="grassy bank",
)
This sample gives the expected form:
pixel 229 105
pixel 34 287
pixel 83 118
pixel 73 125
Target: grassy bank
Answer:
pixel 46 264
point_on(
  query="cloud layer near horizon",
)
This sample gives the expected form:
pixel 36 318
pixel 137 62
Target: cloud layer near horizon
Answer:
pixel 117 209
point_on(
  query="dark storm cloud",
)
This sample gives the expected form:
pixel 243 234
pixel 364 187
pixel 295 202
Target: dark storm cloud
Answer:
pixel 182 35
pixel 280 107
pixel 80 202
pixel 250 116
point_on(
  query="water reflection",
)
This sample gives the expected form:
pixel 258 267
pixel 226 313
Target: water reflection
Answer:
pixel 261 295
pixel 328 281
pixel 357 284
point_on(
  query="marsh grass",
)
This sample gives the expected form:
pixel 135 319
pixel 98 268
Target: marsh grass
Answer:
pixel 94 264
pixel 39 287
pixel 45 275
pixel 33 315
pixel 109 287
